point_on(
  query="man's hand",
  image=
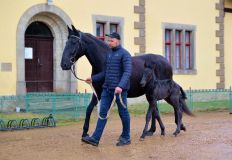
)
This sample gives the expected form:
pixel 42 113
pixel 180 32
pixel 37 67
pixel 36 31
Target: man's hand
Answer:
pixel 118 90
pixel 88 80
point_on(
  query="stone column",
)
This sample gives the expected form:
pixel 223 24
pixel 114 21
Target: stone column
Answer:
pixel 220 46
pixel 140 26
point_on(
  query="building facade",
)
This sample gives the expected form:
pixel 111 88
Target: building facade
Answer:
pixel 195 37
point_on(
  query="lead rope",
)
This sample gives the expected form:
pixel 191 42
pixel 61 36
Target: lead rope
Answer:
pixel 112 104
pixel 94 92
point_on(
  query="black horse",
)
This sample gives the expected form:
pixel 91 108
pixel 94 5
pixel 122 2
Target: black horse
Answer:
pixel 79 44
pixel 161 89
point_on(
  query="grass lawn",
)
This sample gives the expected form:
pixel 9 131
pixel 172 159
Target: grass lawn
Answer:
pixel 135 109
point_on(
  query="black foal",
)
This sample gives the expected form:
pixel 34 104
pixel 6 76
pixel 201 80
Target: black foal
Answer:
pixel 163 89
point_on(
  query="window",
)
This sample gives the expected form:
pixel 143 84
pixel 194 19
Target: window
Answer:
pixel 113 27
pixel 187 50
pixel 168 45
pixel 100 30
pixel 106 24
pixel 179 47
pixel 38 29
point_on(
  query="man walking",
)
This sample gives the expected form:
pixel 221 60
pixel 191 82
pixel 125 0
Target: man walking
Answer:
pixel 116 78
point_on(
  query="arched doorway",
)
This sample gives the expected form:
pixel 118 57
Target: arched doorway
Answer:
pixel 38 58
pixel 56 20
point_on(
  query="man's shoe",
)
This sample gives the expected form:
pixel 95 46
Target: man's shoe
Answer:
pixel 90 140
pixel 123 142
pixel 120 138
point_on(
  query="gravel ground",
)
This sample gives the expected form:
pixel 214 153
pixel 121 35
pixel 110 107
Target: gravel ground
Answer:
pixel 208 137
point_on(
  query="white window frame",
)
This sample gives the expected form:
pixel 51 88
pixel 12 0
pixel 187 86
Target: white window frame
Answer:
pixel 183 28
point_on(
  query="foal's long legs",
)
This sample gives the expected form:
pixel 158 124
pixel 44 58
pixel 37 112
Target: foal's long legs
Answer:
pixel 148 118
pixel 179 121
pixel 152 109
pixel 182 102
pixel 178 113
pixel 152 130
pixel 157 116
pixel 182 127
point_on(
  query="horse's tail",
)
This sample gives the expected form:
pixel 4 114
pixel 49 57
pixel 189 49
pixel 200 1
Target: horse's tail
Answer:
pixel 183 103
pixel 185 108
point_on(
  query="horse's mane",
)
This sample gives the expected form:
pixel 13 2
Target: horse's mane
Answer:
pixel 97 51
pixel 99 42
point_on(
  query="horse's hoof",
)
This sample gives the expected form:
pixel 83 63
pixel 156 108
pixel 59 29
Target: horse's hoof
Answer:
pixel 149 133
pixel 183 128
pixel 163 133
pixel 176 133
pixel 142 138
pixel 152 130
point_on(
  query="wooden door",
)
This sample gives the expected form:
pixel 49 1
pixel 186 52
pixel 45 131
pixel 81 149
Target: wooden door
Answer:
pixel 39 69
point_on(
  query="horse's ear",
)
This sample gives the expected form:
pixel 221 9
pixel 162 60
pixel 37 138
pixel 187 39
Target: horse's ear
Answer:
pixel 69 30
pixel 74 29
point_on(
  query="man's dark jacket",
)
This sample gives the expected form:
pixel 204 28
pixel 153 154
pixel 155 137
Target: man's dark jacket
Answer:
pixel 117 71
